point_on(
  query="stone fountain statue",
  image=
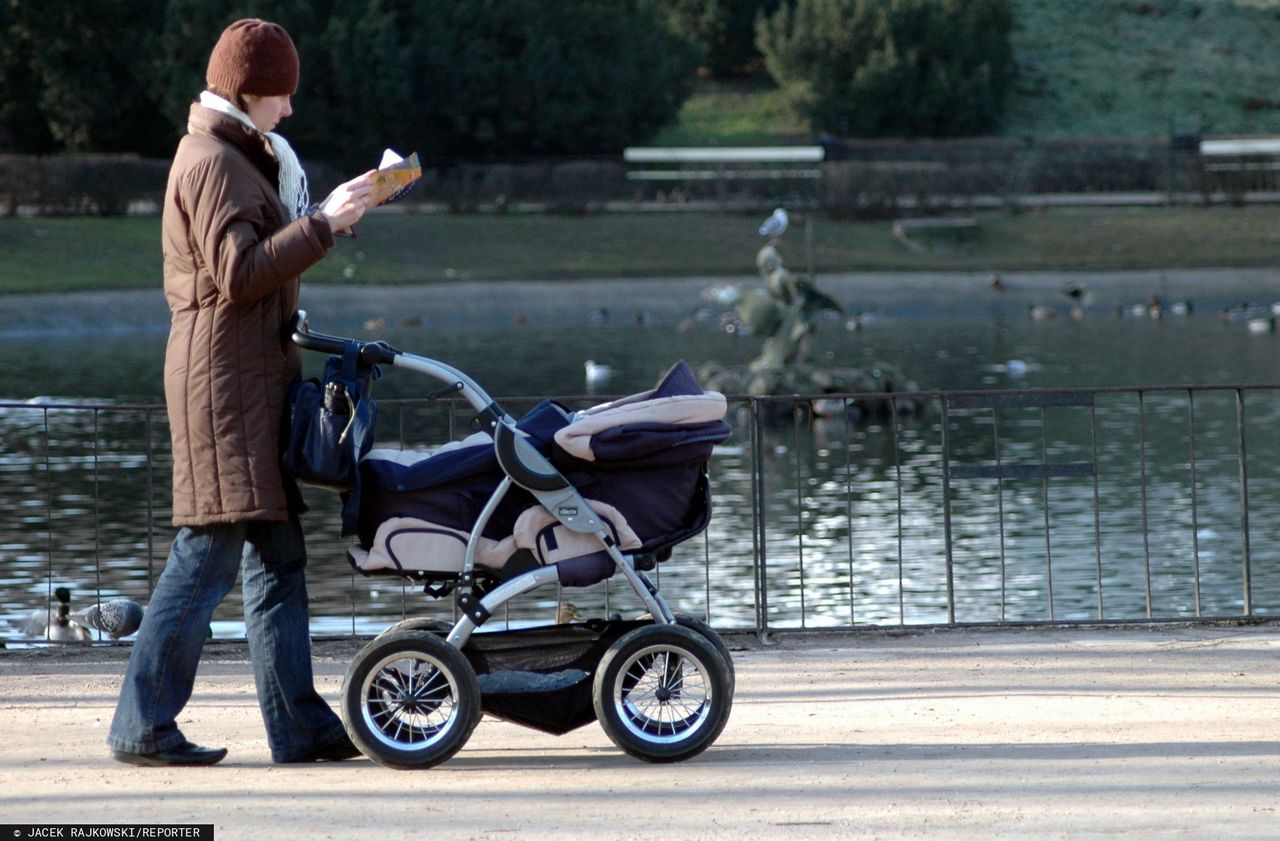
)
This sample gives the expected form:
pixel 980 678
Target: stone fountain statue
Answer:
pixel 783 311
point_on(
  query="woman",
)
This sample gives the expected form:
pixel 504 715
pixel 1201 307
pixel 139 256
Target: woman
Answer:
pixel 237 234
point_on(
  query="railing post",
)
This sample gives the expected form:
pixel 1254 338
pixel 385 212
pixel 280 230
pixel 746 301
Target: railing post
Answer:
pixel 1142 487
pixel 97 509
pixel 151 509
pixel 48 512
pixel 1004 572
pixel 758 533
pixel 1044 495
pixel 897 473
pixel 1247 573
pixel 706 577
pixel 946 513
pixel 848 503
pixel 1195 514
pixel 795 449
pixel 1097 510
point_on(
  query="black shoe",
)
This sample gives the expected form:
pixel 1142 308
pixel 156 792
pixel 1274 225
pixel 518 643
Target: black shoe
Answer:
pixel 182 754
pixel 335 751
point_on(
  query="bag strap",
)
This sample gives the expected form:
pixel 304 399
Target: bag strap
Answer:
pixel 359 428
pixel 350 366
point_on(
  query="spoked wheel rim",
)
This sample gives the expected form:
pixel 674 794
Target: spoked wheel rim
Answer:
pixel 663 694
pixel 409 701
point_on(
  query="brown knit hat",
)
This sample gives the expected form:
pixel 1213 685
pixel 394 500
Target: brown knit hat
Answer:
pixel 255 57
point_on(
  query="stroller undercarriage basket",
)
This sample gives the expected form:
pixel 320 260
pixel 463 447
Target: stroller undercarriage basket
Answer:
pixel 541 677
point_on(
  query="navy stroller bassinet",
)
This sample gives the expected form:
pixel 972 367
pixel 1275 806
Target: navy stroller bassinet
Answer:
pixel 641 462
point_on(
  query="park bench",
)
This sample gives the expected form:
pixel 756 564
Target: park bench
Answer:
pixel 782 169
pixel 1239 165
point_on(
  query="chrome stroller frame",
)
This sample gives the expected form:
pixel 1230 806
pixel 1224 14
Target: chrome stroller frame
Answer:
pixel 662 689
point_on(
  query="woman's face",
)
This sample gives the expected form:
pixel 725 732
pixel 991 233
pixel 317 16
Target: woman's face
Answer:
pixel 267 111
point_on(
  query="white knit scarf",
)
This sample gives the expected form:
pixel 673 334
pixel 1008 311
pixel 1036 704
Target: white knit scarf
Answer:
pixel 293 181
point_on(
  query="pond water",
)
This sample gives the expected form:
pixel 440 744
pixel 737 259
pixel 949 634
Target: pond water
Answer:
pixel 854 509
pixel 943 331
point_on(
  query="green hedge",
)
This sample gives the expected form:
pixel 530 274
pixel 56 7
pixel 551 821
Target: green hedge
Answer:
pixel 80 185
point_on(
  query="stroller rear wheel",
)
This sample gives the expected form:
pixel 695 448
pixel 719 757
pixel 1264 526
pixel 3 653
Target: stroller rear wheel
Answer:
pixel 663 693
pixel 435 626
pixel 410 700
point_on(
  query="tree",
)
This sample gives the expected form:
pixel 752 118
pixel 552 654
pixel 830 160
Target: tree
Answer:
pixel 20 116
pixel 187 35
pixel 84 75
pixel 445 77
pixel 724 29
pixel 932 68
pixel 537 77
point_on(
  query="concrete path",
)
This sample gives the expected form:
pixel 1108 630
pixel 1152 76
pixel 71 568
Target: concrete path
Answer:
pixel 1135 733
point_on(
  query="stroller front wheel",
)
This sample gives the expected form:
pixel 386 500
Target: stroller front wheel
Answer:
pixel 410 700
pixel 662 693
pixel 712 637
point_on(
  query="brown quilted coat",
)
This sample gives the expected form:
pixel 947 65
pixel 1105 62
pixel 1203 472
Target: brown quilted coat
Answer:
pixel 232 262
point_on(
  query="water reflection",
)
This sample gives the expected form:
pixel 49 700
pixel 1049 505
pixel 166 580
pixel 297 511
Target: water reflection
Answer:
pixel 854 529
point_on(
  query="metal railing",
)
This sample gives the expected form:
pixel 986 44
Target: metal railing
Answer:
pixel 1113 520
pixel 831 511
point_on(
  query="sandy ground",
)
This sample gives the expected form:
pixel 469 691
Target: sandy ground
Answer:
pixel 1045 733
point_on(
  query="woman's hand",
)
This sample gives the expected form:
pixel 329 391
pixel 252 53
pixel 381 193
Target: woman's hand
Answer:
pixel 348 202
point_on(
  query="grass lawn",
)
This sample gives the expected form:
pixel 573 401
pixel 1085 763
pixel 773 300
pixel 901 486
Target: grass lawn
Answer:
pixel 1084 69
pixel 1116 68
pixel 123 253
pixel 748 112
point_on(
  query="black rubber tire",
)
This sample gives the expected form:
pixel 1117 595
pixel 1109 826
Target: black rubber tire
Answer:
pixel 410 700
pixel 662 693
pixel 713 638
pixel 435 626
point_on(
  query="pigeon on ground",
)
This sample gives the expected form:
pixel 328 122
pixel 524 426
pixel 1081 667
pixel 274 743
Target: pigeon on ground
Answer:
pixel 116 618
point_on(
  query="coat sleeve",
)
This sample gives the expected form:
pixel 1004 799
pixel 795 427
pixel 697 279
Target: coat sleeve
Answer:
pixel 228 219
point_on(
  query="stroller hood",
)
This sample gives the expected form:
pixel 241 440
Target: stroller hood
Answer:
pixel 674 413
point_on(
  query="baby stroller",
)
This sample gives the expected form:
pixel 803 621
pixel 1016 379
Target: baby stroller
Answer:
pixel 551 498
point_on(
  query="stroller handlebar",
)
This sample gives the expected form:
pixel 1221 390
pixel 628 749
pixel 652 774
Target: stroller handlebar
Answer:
pixel 371 353
pixel 376 353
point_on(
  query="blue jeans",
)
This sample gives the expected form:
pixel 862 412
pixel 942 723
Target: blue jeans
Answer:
pixel 201 570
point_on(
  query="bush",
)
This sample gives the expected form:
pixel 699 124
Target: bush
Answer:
pixel 80 185
pixel 878 177
pixel 878 68
pixel 884 178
